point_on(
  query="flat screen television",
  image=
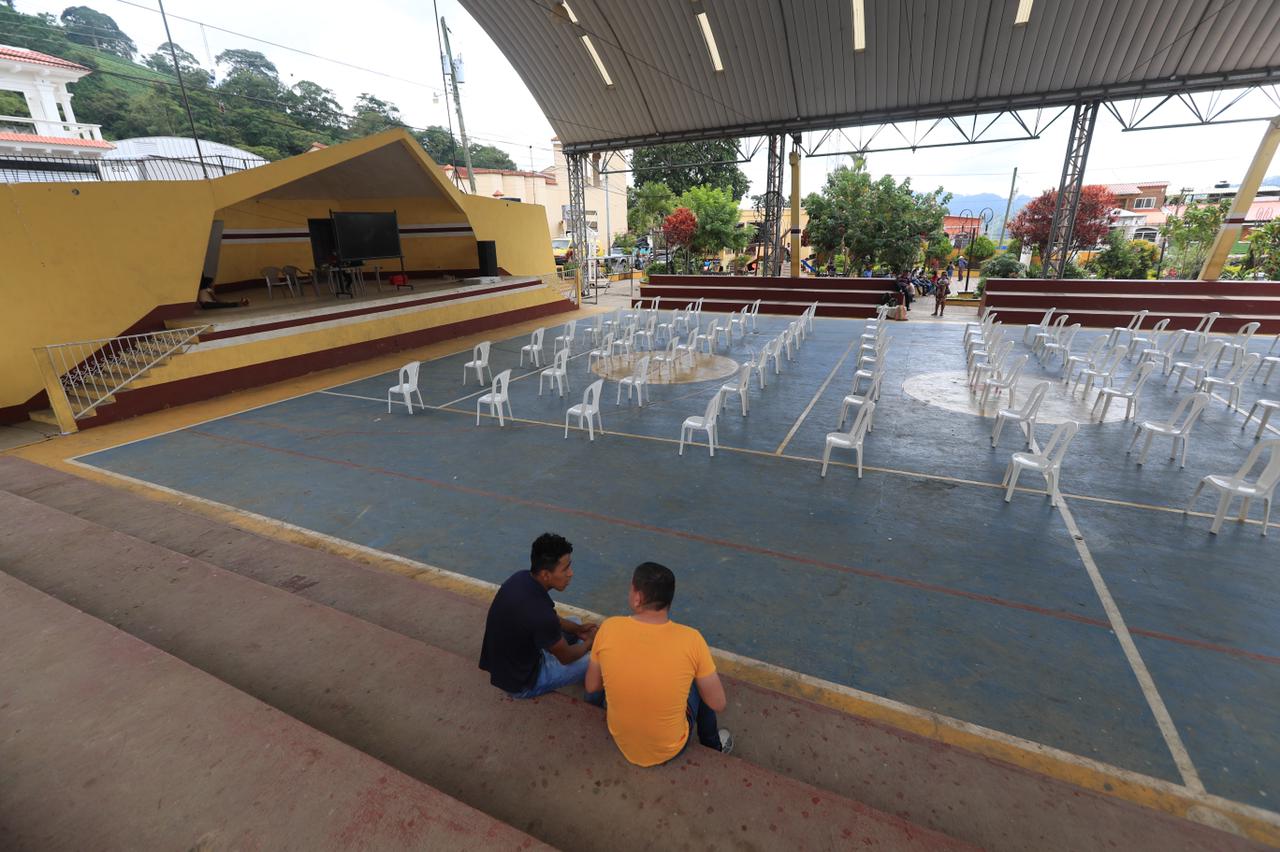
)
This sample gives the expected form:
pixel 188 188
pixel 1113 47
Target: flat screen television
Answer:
pixel 365 236
pixel 324 249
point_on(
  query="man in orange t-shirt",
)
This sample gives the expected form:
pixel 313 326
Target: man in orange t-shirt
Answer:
pixel 659 680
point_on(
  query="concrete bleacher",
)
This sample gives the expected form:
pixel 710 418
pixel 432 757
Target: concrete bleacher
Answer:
pixel 109 743
pixel 387 665
pixel 837 297
pixel 1111 303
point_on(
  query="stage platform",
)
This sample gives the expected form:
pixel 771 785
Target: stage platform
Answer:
pixel 281 338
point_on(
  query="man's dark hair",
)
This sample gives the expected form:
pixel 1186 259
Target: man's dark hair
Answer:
pixel 546 552
pixel 656 585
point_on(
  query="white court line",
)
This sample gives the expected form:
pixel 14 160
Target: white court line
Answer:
pixel 795 427
pixel 1168 730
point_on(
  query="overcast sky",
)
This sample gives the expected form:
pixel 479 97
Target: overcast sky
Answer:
pixel 398 38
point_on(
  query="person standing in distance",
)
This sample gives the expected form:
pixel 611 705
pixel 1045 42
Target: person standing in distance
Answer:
pixel 528 649
pixel 658 677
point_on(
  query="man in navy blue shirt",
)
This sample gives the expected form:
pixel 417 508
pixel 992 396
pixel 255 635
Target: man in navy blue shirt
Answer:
pixel 528 649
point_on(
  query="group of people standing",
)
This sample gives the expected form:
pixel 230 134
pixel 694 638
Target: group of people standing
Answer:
pixel 918 282
pixel 654 677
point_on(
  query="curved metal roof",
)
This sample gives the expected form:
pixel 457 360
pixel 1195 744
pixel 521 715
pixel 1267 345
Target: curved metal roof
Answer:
pixel 789 65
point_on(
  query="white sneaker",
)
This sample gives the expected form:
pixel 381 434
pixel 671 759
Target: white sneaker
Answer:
pixel 726 741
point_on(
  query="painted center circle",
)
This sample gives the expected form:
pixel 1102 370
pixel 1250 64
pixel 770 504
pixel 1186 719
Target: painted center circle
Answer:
pixel 950 390
pixel 705 368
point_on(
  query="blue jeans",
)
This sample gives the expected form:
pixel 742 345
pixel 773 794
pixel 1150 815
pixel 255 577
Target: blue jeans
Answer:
pixel 703 723
pixel 553 675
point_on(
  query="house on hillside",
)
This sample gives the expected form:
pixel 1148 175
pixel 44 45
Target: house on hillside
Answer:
pixel 1140 209
pixel 48 138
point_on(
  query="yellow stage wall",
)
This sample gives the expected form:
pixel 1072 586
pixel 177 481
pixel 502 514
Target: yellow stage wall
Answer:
pixel 87 261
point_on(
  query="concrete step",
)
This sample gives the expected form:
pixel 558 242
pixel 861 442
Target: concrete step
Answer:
pixel 108 743
pixel 959 793
pixel 44 415
pixel 547 767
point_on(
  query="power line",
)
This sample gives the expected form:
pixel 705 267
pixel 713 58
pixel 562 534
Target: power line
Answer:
pixel 289 48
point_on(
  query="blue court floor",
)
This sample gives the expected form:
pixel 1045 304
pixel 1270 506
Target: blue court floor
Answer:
pixel 916 583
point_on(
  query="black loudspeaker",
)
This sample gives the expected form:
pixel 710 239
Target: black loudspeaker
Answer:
pixel 488 252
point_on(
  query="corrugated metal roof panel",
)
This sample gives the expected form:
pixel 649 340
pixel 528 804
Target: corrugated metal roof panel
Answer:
pixel 790 64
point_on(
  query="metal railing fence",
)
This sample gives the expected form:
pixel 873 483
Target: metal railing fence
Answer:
pixel 21 168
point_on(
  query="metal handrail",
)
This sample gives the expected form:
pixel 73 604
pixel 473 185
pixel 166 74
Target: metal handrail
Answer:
pixel 91 372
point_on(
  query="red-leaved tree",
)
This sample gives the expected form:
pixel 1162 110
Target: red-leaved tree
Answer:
pixel 1093 218
pixel 679 229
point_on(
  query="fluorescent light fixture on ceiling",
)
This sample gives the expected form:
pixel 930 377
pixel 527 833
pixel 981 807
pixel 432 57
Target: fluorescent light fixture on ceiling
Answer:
pixel 710 38
pixel 859 25
pixel 595 57
pixel 1024 12
pixel 573 19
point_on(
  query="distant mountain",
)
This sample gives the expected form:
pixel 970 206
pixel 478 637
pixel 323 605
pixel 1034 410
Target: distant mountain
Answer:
pixel 976 203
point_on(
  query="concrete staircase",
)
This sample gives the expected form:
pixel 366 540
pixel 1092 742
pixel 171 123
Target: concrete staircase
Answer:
pixel 379 670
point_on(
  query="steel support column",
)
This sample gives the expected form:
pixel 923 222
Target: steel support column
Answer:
pixel 577 223
pixel 1233 225
pixel 771 204
pixel 795 205
pixel 1083 119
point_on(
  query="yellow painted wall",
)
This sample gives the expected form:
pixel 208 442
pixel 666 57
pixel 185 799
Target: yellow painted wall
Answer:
pixel 88 260
pixel 520 230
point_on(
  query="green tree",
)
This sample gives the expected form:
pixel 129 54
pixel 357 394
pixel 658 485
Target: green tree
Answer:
pixel 717 213
pixel 981 249
pixel 374 115
pixel 316 108
pixel 1264 248
pixel 248 62
pixel 873 222
pixel 490 157
pixel 684 165
pixel 1004 266
pixel 192 73
pixel 1122 258
pixel 651 203
pixel 91 27
pixel 1191 234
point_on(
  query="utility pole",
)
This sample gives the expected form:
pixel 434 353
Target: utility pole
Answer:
pixel 182 87
pixel 1008 208
pixel 457 103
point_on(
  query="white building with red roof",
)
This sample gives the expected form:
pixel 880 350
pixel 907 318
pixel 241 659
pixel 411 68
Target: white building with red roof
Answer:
pixel 50 128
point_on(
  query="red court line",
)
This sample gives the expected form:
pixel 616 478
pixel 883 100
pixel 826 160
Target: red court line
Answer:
pixel 747 548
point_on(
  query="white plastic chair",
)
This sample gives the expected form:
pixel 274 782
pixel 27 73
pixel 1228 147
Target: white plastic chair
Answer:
pixel 638 381
pixel 534 348
pixel 1239 344
pixel 479 362
pixel 1270 359
pixel 1061 346
pixel 1103 373
pixel 1269 407
pixel 594 331
pixel 708 337
pixel 496 398
pixel 276 278
pixel 1050 335
pixel 760 361
pixel 1128 392
pixel 682 318
pixel 1200 334
pixel 984 322
pixel 1177 427
pixel 775 352
pixel 851 440
pixel 565 340
pixel 588 409
pixel 985 351
pixel 1134 324
pixel 878 322
pixel 647 333
pixel 1038 326
pixel 983 369
pixel 1161 352
pixel 624 345
pixel 1047 462
pixel 1197 366
pixel 1088 360
pixel 1239 485
pixel 558 373
pixel 736 321
pixel 755 311
pixel 705 423
pixel 666 358
pixel 688 349
pixel 1139 343
pixel 408 385
pixel 856 400
pixel 868 361
pixel 1233 379
pixel 740 386
pixel 1025 417
pixel 1006 378
pixel 604 352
